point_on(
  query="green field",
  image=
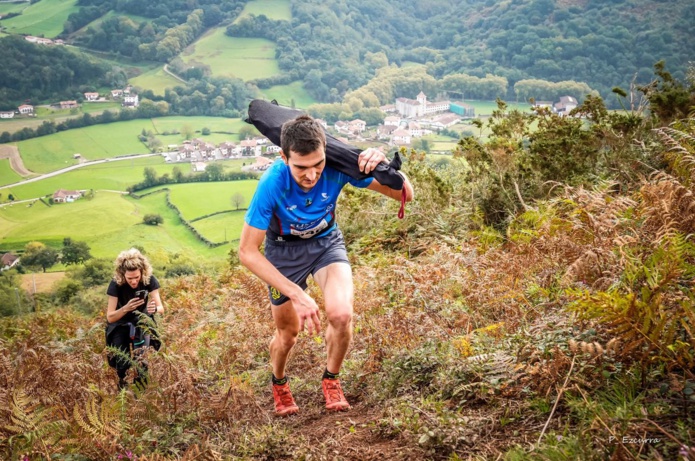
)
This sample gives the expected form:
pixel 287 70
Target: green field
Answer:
pixel 199 199
pixel 156 80
pixel 55 151
pixel 244 58
pixel 215 124
pixel 223 227
pixel 485 108
pixel 116 175
pixel 12 7
pixel 284 94
pixel 7 174
pixel 109 223
pixel 45 18
pixel 279 10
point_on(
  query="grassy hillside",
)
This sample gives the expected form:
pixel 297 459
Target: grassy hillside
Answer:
pixel 279 10
pixel 156 80
pixel 55 151
pixel 7 174
pixel 286 94
pixel 244 58
pixel 108 222
pixel 44 18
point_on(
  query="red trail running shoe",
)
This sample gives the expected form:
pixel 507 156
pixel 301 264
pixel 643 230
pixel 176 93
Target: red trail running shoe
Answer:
pixel 335 400
pixel 284 402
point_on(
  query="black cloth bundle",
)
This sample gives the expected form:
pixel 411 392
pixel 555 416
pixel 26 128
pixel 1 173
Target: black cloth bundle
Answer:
pixel 268 118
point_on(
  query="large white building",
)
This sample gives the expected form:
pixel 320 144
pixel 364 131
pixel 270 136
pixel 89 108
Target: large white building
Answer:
pixel 411 108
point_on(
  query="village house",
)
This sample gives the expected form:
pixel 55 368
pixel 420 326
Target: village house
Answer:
pixel 392 120
pixel 91 96
pixel 413 108
pixel 63 196
pixel 548 104
pixel 388 108
pixel 26 109
pixel 566 104
pixel 357 126
pixel 341 127
pixel 226 149
pixel 38 40
pixel 261 164
pixel 130 100
pixel 444 121
pixel 250 148
pixel 68 104
pixel 198 167
pixel 272 149
pixel 116 94
pixel 8 261
pixel 385 131
pixel 9 114
pixel 187 150
pixel 401 136
pixel 415 129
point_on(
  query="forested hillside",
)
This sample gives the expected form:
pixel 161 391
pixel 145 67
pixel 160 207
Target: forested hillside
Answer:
pixel 335 47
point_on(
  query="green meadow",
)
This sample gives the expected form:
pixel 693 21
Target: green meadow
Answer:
pixel 285 94
pixel 244 58
pixel 108 223
pixel 279 10
pixel 55 151
pixel 223 227
pixel 49 153
pixel 7 174
pixel 156 80
pixel 115 176
pixel 215 124
pixel 12 7
pixel 199 199
pixel 44 18
pixel 485 108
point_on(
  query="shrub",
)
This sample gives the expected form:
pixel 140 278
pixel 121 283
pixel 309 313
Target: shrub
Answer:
pixel 152 219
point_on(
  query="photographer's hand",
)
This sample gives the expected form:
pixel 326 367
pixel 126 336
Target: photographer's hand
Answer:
pixel 152 307
pixel 133 304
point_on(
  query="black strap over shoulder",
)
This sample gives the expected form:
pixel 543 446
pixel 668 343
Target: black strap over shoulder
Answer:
pixel 268 118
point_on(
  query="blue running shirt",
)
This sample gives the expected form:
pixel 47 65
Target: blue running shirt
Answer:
pixel 280 205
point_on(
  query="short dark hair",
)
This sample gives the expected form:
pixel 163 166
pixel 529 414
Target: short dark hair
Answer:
pixel 302 135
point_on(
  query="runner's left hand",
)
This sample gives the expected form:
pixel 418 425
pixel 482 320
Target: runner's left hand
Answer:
pixel 369 159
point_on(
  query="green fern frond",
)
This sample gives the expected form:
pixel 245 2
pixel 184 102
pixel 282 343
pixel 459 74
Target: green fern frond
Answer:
pixel 102 420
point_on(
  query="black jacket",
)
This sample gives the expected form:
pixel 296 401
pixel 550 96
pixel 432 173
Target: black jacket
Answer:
pixel 268 118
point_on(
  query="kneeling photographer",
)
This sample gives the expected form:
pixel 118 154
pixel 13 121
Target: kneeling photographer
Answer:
pixel 133 300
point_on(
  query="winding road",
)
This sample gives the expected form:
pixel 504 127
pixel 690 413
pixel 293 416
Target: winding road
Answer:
pixel 3 149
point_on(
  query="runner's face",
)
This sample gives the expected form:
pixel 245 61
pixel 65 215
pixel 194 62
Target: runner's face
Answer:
pixel 133 278
pixel 306 169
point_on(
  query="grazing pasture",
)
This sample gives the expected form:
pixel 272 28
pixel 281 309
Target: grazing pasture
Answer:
pixel 221 227
pixel 44 18
pixel 200 199
pixel 279 10
pixel 7 174
pixel 234 57
pixel 285 94
pixel 55 151
pixel 156 80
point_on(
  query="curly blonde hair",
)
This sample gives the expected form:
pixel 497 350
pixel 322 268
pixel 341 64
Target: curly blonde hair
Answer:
pixel 132 260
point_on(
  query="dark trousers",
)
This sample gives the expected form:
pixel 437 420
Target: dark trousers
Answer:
pixel 120 339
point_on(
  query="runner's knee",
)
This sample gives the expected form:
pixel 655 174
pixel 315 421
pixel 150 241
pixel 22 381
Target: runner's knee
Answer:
pixel 340 319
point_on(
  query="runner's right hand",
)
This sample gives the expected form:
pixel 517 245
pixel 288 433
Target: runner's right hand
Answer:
pixel 308 313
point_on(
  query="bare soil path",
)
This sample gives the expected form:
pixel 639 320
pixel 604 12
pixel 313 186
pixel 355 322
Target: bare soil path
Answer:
pixel 16 162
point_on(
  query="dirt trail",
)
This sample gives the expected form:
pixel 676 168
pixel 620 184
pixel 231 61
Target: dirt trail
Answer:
pixel 16 163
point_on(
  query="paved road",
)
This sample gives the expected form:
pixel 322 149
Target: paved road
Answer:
pixel 74 167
